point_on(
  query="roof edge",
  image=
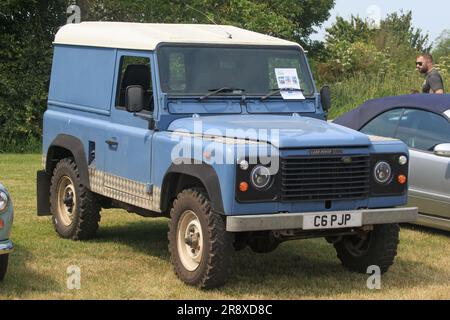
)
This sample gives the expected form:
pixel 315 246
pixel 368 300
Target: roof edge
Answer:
pixel 147 36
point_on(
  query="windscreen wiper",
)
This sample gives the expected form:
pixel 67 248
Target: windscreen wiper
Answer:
pixel 276 91
pixel 221 90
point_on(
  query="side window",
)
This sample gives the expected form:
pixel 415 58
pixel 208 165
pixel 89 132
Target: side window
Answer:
pixel 385 125
pixel 134 71
pixel 423 130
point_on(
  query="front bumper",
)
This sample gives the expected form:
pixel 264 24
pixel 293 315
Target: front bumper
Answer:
pixel 292 221
pixel 6 247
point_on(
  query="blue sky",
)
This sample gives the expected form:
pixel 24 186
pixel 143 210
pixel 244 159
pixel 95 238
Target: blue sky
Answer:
pixel 431 16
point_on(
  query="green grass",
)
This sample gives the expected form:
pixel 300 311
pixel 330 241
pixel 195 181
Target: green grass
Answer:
pixel 129 260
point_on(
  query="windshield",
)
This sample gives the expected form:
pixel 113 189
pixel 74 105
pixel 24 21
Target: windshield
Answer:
pixel 251 71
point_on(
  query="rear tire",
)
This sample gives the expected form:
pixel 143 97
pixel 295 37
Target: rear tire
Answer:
pixel 379 249
pixel 3 265
pixel 263 242
pixel 75 210
pixel 200 248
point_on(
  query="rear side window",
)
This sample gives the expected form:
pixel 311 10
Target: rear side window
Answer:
pixel 83 76
pixel 385 125
pixel 134 71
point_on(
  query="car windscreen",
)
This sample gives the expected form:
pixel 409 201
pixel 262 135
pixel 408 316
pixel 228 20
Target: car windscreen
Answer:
pixel 198 70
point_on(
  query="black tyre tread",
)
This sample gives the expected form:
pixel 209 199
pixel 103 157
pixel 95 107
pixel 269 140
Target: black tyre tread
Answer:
pixel 89 209
pixel 382 251
pixel 220 244
pixel 264 244
pixel 3 266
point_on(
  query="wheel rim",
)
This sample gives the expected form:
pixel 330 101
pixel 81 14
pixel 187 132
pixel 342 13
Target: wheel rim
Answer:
pixel 190 240
pixel 67 201
pixel 357 245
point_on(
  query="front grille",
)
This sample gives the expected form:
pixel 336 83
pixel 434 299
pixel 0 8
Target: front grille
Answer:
pixel 324 178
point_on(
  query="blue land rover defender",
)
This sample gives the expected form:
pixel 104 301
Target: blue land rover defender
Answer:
pixel 221 130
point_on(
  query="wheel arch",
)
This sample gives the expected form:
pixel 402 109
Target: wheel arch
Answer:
pixel 181 176
pixel 64 146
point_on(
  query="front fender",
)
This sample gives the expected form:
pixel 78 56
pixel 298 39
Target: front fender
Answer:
pixel 203 172
pixel 7 216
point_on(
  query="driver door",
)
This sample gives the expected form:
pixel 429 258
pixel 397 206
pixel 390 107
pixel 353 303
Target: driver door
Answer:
pixel 429 173
pixel 129 138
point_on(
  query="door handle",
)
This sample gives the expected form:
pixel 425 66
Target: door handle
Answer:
pixel 112 142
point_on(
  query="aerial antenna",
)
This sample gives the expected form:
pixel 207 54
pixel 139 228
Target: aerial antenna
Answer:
pixel 229 35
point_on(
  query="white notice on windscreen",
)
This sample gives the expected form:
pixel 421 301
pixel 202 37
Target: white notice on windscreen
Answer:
pixel 289 84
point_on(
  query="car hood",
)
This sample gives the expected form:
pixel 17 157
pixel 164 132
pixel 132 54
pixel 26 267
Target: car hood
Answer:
pixel 293 131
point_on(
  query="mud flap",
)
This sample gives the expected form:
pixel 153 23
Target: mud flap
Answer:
pixel 43 193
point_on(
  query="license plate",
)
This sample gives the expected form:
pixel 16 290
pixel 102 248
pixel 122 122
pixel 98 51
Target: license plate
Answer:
pixel 336 220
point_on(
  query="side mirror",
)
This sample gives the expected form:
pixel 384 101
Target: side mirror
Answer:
pixel 134 99
pixel 325 98
pixel 442 150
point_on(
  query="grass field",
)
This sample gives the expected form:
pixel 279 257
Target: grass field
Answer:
pixel 129 260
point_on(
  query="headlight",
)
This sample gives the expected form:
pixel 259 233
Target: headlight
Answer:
pixel 3 201
pixel 382 172
pixel 260 177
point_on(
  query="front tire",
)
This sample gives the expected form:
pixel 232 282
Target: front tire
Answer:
pixel 378 247
pixel 200 248
pixel 3 265
pixel 75 210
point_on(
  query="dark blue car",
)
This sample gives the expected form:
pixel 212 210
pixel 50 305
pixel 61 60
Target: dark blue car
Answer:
pixel 423 123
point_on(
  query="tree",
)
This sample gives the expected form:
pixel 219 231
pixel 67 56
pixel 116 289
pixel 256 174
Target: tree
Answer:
pixel 27 30
pixel 442 48
pixel 349 31
pixel 353 47
pixel 28 27
pixel 397 30
pixel 401 40
pixel 290 19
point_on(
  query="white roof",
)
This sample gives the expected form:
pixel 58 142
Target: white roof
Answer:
pixel 146 36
